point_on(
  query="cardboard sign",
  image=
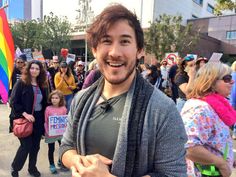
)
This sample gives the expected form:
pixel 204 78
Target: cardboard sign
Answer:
pixel 28 54
pixel 57 125
pixel 216 57
pixel 70 57
pixel 171 58
pixel 38 56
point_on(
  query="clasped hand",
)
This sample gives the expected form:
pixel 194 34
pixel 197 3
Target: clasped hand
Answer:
pixel 91 166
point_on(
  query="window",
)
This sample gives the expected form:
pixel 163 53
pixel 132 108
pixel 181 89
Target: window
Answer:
pixel 210 8
pixel 194 16
pixel 231 34
pixel 200 2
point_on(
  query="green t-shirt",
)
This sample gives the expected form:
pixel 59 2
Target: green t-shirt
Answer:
pixel 103 126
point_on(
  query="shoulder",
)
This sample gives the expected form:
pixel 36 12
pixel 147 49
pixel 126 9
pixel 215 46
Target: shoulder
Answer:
pixel 196 110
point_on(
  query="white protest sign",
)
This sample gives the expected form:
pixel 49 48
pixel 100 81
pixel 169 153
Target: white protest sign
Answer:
pixel 57 125
pixel 171 58
pixel 215 57
pixel 70 57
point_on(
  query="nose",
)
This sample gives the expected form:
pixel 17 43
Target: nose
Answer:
pixel 115 50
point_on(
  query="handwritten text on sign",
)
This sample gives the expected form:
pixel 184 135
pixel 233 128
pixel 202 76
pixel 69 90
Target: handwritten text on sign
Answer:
pixel 57 125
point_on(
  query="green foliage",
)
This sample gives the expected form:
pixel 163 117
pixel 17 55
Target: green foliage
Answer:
pixel 224 5
pixel 56 33
pixel 167 31
pixel 26 34
pixel 50 33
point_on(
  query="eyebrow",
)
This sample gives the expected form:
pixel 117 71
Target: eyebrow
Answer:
pixel 123 35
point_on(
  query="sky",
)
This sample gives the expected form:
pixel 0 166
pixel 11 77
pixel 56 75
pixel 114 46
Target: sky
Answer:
pixel 68 7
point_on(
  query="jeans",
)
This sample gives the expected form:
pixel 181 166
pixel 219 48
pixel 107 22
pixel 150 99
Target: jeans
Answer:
pixel 68 99
pixel 180 104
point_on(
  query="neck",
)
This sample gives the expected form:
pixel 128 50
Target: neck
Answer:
pixel 112 90
pixel 33 81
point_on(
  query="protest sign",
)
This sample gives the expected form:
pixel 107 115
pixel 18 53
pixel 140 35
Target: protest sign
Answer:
pixel 70 57
pixel 215 57
pixel 28 54
pixel 171 58
pixel 57 125
pixel 37 55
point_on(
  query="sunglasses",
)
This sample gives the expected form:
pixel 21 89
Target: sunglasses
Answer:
pixel 227 78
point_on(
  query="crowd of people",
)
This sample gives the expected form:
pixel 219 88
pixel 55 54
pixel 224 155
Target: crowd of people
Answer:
pixel 121 120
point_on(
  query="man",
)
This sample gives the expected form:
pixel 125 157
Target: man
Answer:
pixel 54 69
pixel 122 126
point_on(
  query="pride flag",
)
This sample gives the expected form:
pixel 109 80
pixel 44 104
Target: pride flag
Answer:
pixel 6 56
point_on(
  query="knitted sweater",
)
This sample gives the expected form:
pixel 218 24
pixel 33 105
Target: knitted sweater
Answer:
pixel 162 144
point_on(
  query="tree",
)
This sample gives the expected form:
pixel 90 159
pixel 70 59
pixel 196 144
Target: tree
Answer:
pixel 224 5
pixel 56 33
pixel 26 34
pixel 166 32
pixel 50 33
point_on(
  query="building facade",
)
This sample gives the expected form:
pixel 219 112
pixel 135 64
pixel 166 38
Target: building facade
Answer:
pixel 24 9
pixel 222 28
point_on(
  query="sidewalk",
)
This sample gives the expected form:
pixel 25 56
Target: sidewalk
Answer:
pixel 9 146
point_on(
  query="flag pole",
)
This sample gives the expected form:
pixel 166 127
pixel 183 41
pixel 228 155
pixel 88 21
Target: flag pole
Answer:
pixel 5 6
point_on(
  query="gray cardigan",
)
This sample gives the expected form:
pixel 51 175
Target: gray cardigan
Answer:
pixel 163 137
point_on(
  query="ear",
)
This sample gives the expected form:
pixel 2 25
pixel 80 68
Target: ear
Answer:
pixel 94 51
pixel 140 53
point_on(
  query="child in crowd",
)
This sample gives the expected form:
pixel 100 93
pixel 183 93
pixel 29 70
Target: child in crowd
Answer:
pixel 57 107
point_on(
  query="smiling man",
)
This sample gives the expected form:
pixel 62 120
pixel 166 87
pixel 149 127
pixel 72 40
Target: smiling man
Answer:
pixel 121 125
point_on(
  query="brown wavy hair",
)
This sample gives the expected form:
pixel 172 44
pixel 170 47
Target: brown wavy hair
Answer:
pixel 61 96
pixel 41 79
pixel 107 18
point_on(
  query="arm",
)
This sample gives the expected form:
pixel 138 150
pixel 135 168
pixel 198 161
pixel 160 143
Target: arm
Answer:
pixel 46 121
pixel 58 81
pixel 169 155
pixel 201 155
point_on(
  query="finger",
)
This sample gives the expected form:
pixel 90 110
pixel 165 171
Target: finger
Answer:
pixel 74 172
pixel 80 167
pixel 104 159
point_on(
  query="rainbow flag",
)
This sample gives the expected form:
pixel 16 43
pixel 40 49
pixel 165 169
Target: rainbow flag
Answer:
pixel 6 56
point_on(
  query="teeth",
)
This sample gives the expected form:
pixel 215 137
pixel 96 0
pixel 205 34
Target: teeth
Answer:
pixel 115 64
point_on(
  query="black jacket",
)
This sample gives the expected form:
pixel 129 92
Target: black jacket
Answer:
pixel 22 98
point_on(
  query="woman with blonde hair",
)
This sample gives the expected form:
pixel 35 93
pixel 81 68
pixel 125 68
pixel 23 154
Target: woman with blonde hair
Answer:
pixel 207 116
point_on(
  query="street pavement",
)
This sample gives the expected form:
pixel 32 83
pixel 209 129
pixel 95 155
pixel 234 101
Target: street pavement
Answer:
pixel 10 144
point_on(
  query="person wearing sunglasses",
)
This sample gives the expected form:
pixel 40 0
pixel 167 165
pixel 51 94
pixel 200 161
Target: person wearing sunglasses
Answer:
pixel 207 116
pixel 233 94
pixel 184 79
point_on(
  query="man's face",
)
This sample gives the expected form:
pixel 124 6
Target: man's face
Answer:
pixel 20 63
pixel 117 53
pixel 55 64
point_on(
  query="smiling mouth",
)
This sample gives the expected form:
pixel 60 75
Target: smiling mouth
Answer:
pixel 115 64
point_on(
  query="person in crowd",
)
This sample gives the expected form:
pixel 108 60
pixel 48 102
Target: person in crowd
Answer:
pixel 92 77
pixel 54 69
pixel 152 74
pixel 56 108
pixel 121 125
pixel 18 69
pixel 184 79
pixel 80 73
pixel 65 82
pixel 207 116
pixel 233 94
pixel 92 66
pixel 49 82
pixel 144 68
pixel 172 73
pixel 165 74
pixel 28 94
pixel 201 61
